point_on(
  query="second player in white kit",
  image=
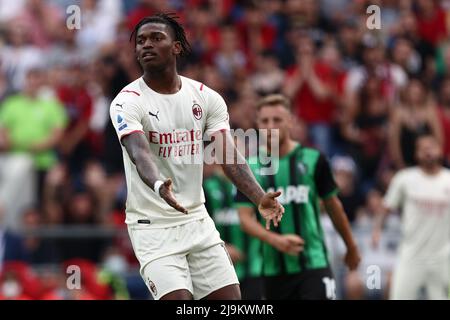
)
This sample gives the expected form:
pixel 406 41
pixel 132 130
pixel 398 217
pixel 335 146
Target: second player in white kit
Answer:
pixel 422 195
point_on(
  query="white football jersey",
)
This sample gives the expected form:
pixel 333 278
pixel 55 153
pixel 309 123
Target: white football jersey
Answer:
pixel 174 126
pixel 424 202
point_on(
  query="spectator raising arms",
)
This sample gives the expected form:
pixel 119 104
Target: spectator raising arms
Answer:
pixel 415 115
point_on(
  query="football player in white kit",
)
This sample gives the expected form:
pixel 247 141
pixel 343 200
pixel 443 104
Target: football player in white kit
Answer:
pixel 422 194
pixel 161 120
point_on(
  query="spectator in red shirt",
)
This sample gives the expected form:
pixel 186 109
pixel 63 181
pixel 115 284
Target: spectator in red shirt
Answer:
pixel 75 147
pixel 311 85
pixel 431 21
pixel 230 60
pixel 203 32
pixel 256 33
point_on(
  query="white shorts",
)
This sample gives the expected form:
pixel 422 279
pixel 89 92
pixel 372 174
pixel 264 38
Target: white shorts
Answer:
pixel 409 278
pixel 190 256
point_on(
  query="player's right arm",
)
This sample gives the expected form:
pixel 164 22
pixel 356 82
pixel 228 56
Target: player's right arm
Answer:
pixel 392 200
pixel 139 151
pixel 287 243
pixel 233 163
pixel 126 115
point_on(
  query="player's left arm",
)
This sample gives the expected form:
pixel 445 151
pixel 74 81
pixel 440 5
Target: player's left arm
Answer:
pixel 237 170
pixel 335 210
pixel 327 190
pixel 233 163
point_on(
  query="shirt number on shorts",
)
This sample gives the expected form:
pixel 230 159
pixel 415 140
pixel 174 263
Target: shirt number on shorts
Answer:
pixel 330 288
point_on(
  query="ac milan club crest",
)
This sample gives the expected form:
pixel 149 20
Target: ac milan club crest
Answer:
pixel 197 111
pixel 152 287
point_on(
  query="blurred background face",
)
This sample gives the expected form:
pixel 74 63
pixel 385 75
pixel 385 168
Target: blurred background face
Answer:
pixel 34 80
pixel 266 63
pixel 402 51
pixel 305 46
pixel 199 18
pixel 31 218
pixel 373 56
pixel 344 179
pixel 310 6
pixel 81 207
pixel 275 117
pixel 344 173
pixel 331 56
pixel 408 23
pixel 243 111
pixel 348 35
pixel 254 16
pixel 428 151
pixel 18 34
pixel 294 7
pixel 229 39
pixel 35 5
pixel 415 92
pixel 212 77
pixel 425 6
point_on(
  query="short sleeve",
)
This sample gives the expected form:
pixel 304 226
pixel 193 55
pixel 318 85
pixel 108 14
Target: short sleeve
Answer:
pixel 217 118
pixel 326 186
pixel 126 117
pixel 395 193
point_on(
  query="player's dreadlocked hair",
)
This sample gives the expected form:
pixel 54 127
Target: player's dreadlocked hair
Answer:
pixel 168 19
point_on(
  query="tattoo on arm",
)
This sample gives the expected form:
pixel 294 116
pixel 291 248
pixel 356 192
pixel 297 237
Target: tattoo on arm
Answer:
pixel 238 171
pixel 243 179
pixel 139 152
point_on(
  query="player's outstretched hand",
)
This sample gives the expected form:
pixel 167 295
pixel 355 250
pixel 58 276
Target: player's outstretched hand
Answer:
pixel 271 209
pixel 165 191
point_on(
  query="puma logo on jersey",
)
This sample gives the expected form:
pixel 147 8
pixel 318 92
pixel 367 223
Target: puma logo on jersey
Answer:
pixel 292 194
pixel 154 115
pixel 120 105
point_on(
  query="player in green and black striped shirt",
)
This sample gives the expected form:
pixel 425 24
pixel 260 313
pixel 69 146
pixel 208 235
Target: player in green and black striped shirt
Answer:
pixel 295 262
pixel 244 251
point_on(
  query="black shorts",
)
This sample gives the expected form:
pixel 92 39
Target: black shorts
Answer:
pixel 251 288
pixel 315 284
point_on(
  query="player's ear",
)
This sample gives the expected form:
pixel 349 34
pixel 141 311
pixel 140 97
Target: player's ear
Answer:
pixel 176 48
pixel 290 119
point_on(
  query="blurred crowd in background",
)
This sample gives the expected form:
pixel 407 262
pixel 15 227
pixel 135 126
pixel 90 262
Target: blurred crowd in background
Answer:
pixel 360 96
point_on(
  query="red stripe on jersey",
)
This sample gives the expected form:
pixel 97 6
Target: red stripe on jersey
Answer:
pixel 219 131
pixel 128 133
pixel 130 91
pixel 201 87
